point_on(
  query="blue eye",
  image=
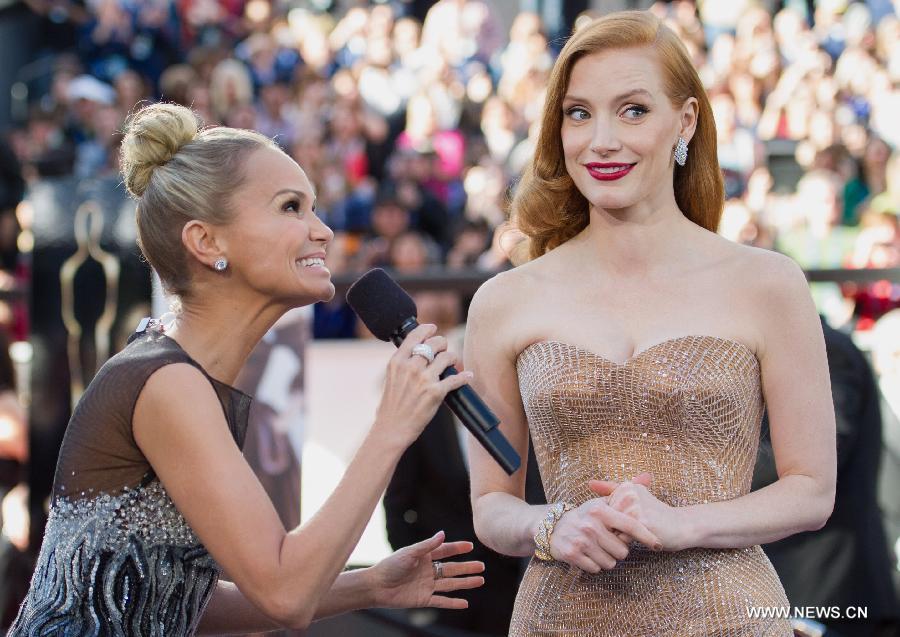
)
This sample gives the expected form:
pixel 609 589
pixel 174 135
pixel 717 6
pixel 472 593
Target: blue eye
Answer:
pixel 637 111
pixel 577 113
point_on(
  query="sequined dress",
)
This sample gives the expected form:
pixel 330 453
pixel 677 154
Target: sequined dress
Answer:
pixel 688 410
pixel 117 557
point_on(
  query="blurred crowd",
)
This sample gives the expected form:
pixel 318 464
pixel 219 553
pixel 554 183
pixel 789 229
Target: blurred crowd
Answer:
pixel 807 139
pixel 413 120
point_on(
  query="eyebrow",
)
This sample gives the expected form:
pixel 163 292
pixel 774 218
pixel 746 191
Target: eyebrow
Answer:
pixel 617 98
pixel 302 195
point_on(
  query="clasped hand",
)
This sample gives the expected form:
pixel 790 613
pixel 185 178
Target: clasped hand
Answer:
pixel 595 535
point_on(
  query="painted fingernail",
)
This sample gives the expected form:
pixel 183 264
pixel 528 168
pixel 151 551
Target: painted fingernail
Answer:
pixel 657 547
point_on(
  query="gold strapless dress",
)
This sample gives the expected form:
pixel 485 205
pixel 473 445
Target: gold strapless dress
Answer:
pixel 688 410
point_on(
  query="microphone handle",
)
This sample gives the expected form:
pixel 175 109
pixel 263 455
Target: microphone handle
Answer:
pixel 472 412
pixel 481 423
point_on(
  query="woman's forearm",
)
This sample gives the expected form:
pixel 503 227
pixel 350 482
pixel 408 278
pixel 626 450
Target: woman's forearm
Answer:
pixel 352 590
pixel 229 612
pixel 507 524
pixel 792 504
pixel 313 555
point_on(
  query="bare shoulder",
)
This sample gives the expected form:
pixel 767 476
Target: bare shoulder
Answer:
pixel 779 301
pixel 497 291
pixel 492 309
pixel 769 273
pixel 505 292
pixel 506 304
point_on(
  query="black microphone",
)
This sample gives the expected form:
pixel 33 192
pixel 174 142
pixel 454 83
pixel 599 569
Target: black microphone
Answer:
pixel 390 314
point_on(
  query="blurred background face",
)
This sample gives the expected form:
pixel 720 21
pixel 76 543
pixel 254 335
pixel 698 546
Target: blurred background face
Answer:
pixel 345 122
pixel 241 116
pixel 876 153
pixel 819 197
pixel 616 113
pixel 390 220
pixel 409 253
pixel 274 96
pixel 130 89
pixel 106 123
pixel 406 36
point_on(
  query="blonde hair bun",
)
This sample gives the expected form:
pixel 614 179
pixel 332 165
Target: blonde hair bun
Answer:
pixel 181 172
pixel 153 135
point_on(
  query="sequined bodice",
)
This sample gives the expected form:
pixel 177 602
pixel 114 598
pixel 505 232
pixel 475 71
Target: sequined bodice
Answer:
pixel 118 565
pixel 117 557
pixel 687 410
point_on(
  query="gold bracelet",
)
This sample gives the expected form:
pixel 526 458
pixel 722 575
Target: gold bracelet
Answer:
pixel 542 537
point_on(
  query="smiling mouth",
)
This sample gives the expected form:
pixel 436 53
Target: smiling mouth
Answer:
pixel 608 172
pixel 313 263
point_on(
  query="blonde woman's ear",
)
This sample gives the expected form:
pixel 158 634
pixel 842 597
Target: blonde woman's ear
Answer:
pixel 200 243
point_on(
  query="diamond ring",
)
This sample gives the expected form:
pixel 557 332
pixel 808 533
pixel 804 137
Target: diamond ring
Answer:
pixel 424 351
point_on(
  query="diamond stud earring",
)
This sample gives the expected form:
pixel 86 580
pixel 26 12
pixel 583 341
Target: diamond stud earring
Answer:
pixel 220 264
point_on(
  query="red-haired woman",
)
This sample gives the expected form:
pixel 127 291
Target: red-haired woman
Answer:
pixel 639 348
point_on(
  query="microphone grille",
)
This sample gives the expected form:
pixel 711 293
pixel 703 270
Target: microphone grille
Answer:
pixel 380 303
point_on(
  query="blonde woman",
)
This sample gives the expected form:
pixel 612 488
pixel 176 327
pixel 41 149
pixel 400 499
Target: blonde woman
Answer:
pixel 639 348
pixel 153 500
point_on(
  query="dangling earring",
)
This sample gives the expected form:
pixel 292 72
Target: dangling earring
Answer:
pixel 681 149
pixel 220 264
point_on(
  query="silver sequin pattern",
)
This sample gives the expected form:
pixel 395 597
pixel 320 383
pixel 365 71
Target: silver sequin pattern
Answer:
pixel 123 564
pixel 688 410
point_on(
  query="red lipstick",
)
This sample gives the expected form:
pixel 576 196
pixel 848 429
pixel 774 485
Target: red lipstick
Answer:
pixel 608 171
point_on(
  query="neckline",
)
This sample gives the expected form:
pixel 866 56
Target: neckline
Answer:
pixel 203 369
pixel 636 357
